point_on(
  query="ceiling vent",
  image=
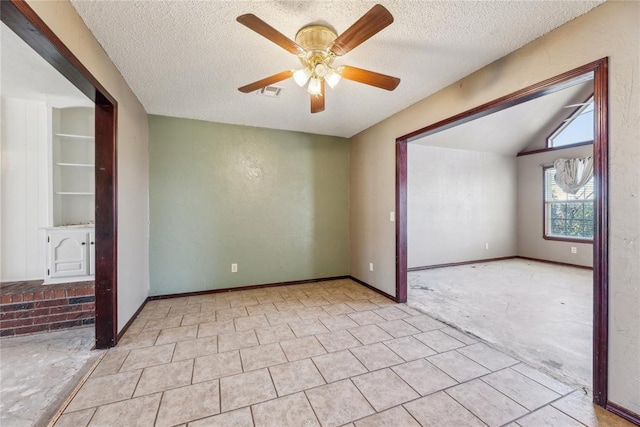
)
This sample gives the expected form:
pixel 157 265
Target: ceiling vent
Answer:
pixel 272 91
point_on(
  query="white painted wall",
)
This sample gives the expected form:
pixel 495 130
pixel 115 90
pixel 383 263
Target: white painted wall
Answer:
pixel 23 189
pixel 133 164
pixel 530 214
pixel 611 30
pixel 458 201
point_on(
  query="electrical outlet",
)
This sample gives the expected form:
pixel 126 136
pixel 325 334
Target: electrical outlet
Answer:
pixel 370 266
pixel 574 250
pixel 486 246
pixel 392 216
pixel 234 268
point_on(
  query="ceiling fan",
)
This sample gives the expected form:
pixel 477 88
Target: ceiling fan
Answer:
pixel 316 47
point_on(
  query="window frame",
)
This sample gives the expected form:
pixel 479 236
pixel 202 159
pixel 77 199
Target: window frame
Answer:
pixel 568 120
pixel 545 234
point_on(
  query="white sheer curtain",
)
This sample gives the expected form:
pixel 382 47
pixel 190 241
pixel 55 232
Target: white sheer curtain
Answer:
pixel 573 174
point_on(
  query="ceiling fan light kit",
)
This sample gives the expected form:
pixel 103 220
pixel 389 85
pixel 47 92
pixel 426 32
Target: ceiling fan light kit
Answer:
pixel 317 46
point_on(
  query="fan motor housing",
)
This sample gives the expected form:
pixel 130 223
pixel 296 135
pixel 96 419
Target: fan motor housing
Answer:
pixel 316 39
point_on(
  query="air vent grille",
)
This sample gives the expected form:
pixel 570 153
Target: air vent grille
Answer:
pixel 272 91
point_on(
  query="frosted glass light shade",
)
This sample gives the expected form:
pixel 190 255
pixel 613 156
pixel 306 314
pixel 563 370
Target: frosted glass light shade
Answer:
pixel 301 76
pixel 332 78
pixel 315 86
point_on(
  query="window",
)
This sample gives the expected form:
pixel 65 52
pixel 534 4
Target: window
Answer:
pixel 578 128
pixel 567 216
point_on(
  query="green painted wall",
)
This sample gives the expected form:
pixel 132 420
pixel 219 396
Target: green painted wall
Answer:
pixel 274 202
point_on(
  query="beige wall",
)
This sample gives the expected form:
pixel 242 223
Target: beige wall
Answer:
pixel 458 202
pixel 274 202
pixel 133 171
pixel 530 216
pixel 611 30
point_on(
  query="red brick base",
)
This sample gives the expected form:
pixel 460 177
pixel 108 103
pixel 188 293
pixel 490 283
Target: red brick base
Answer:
pixel 28 307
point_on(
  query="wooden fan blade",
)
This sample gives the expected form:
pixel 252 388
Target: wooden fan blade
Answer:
pixel 364 28
pixel 251 87
pixel 256 24
pixel 317 101
pixel 369 77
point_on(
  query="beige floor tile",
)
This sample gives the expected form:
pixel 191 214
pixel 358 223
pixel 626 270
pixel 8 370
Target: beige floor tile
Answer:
pixel 246 389
pixel 543 379
pixel 289 411
pixel 261 309
pixel 410 311
pixel 398 328
pixel 165 377
pixel 185 309
pixel 522 389
pixel 548 417
pixel 262 356
pixel 439 341
pixel 230 313
pixel 339 365
pixel 362 305
pixel 238 418
pixel 369 334
pixel 216 366
pixel 237 340
pixel 303 328
pixel 311 313
pixel 272 334
pixel 263 299
pixel 580 406
pixel 337 298
pixel 282 317
pixel 337 309
pixel 397 416
pixel 110 363
pixel 291 304
pixel 376 356
pixel 295 376
pixel 251 322
pixel 173 302
pixel 137 340
pixel 409 348
pixel 301 348
pixel 182 333
pixel 75 419
pixel 488 357
pixel 195 348
pixel 163 323
pixel 384 389
pixel 335 323
pixel 424 377
pixel 148 356
pixel 365 318
pixel 212 306
pixel 194 319
pixel 488 404
pixel 338 403
pixel 424 322
pixel 140 412
pixel 440 410
pixel 391 313
pixel 314 302
pixel 458 366
pixel 337 340
pixel 460 336
pixel 210 329
pixel 181 405
pixel 244 302
pixel 104 390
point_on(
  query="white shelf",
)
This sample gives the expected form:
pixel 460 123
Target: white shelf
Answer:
pixel 74 193
pixel 79 165
pixel 78 137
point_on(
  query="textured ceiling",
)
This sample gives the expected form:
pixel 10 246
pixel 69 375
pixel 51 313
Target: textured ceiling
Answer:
pixel 187 58
pixel 510 131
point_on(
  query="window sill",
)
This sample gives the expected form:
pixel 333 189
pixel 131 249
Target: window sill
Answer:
pixel 568 239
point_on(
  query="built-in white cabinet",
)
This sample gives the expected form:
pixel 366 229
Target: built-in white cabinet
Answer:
pixel 70 236
pixel 70 254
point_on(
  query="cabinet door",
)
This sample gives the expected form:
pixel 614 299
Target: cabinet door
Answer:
pixel 68 254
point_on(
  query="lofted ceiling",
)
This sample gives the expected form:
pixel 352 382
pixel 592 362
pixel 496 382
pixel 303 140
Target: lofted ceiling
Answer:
pixel 187 58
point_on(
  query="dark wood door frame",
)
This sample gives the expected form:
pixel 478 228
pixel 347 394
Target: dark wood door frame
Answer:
pixel 599 69
pixel 22 20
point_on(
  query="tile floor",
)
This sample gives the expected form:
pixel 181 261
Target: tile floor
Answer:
pixel 325 354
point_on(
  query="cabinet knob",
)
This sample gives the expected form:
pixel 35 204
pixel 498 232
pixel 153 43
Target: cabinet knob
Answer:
pixel 92 243
pixel 84 243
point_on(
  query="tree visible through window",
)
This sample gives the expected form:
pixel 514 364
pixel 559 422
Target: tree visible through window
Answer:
pixel 567 216
pixel 576 129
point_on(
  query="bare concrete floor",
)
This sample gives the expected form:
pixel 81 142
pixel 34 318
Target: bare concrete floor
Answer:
pixel 539 312
pixel 37 372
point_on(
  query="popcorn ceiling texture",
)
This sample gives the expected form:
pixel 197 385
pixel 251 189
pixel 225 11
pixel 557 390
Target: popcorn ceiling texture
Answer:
pixel 187 59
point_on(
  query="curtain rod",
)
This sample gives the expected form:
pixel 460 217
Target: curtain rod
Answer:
pixel 546 165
